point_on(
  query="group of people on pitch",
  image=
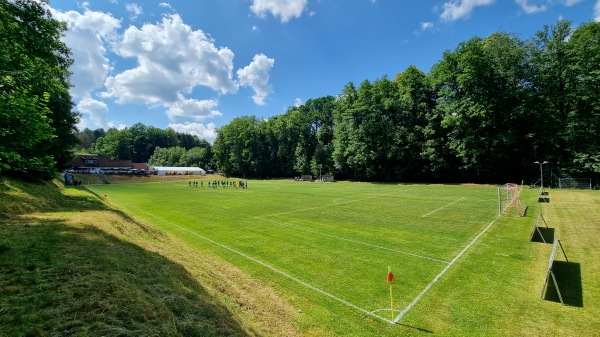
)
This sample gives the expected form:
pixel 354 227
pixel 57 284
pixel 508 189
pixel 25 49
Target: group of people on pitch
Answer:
pixel 220 183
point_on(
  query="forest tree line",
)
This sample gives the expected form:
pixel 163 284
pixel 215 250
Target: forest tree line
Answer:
pixel 147 144
pixel 486 112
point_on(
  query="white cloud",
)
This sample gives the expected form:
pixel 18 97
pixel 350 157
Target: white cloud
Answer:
pixel 426 25
pixel 166 5
pixel 529 8
pixel 134 10
pixel 86 35
pixel 192 108
pixel 256 76
pixel 597 11
pixel 93 112
pixel 570 3
pixel 284 9
pixel 536 6
pixel 459 9
pixel 172 59
pixel 206 132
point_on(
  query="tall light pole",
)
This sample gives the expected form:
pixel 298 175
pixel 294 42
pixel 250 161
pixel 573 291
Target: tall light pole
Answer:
pixel 320 167
pixel 541 171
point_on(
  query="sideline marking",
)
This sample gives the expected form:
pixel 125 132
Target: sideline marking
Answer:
pixel 323 292
pixel 350 240
pixel 441 208
pixel 412 304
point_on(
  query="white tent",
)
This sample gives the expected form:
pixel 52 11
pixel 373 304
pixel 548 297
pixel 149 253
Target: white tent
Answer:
pixel 176 171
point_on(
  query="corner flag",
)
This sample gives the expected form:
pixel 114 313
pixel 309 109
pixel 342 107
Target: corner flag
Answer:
pixel 390 278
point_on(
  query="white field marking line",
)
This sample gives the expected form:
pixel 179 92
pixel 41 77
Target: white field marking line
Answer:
pixel 441 208
pixel 349 240
pixel 320 291
pixel 412 304
pixel 340 201
pixel 335 203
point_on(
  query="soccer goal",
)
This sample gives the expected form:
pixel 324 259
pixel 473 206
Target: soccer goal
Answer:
pixel 575 183
pixel 509 201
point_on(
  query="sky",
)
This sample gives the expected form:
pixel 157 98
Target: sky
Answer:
pixel 195 65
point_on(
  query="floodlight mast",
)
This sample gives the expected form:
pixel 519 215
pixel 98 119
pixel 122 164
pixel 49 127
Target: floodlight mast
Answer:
pixel 320 177
pixel 541 171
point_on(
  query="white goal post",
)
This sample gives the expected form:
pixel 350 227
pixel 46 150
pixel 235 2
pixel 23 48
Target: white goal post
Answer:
pixel 509 200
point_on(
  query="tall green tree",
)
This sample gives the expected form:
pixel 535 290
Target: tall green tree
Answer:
pixel 33 56
pixel 240 148
pixel 25 131
pixel 478 99
pixel 551 83
pixel 415 102
pixel 172 156
pixel 583 119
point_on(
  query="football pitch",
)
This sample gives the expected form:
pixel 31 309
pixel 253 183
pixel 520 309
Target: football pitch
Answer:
pixel 328 246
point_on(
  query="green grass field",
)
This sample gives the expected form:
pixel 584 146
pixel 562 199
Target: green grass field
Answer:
pixel 460 269
pixel 284 258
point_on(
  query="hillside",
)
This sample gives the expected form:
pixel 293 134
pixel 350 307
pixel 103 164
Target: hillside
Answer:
pixel 70 264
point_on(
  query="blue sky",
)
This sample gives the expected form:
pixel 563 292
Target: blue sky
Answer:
pixel 196 65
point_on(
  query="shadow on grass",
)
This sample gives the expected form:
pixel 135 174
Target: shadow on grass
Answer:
pixel 544 199
pixel 545 235
pixel 568 277
pixel 58 279
pixel 415 328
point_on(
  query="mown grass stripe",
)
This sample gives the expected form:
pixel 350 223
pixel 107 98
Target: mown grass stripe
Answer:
pixel 422 293
pixel 264 264
pixel 351 240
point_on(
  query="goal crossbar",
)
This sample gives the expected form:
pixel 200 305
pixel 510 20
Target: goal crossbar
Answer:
pixel 509 200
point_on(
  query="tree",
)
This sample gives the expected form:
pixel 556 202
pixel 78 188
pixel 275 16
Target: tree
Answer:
pixel 172 156
pixel 33 56
pixel 583 120
pixel 198 156
pixel 241 148
pixel 479 91
pixel 87 137
pixel 550 87
pixel 25 132
pixel 415 103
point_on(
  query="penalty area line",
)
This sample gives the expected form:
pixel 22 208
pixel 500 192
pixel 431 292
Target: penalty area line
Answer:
pixel 441 208
pixel 277 223
pixel 266 265
pixel 422 293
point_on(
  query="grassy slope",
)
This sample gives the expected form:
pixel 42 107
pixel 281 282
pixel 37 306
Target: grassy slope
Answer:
pixel 70 265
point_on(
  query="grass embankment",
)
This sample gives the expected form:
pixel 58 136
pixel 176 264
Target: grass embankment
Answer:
pixel 71 265
pixel 91 179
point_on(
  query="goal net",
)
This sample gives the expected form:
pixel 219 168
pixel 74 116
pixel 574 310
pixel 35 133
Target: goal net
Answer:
pixel 509 202
pixel 576 183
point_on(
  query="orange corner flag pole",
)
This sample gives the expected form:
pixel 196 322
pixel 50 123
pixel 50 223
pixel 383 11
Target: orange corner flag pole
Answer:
pixel 390 278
